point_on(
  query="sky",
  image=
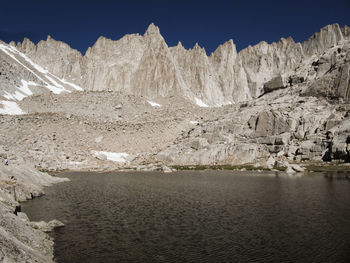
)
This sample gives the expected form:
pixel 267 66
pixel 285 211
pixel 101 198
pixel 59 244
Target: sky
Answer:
pixel 209 22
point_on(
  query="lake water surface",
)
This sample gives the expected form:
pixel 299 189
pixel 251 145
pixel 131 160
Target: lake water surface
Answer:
pixel 208 216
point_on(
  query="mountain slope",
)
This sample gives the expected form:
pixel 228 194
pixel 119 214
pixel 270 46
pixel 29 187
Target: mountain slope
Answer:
pixel 21 77
pixel 284 101
pixel 145 65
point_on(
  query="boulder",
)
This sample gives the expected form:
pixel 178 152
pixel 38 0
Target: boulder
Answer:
pixel 283 139
pixel 297 168
pixel 271 123
pixel 55 223
pixel 274 84
pixel 330 123
pixel 294 168
pixel 293 80
pixel 292 150
pixel 46 227
pixel 290 170
pixel 270 163
pixel 41 225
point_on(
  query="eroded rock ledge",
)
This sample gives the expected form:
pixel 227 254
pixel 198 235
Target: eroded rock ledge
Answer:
pixel 20 241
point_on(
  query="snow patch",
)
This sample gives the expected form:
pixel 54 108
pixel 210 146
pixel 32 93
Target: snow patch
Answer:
pixel 21 92
pixel 72 84
pixel 10 108
pixel 111 156
pixel 200 103
pixel 57 89
pixel 14 96
pixel 154 104
pixel 194 122
pixel 24 89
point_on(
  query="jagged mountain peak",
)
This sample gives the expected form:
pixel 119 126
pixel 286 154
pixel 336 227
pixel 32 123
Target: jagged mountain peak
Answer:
pixel 152 30
pixel 144 64
pixel 101 42
pixel 26 45
pixel 326 37
pixel 154 39
pixel 286 41
pixel 198 49
pixel 179 45
pixel 229 45
pixel 152 33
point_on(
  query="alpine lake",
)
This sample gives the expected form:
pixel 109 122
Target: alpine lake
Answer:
pixel 197 216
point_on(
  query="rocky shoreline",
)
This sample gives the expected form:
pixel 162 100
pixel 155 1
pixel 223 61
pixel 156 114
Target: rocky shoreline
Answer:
pixel 20 239
pixel 271 165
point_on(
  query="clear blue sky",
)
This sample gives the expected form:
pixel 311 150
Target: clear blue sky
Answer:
pixel 210 23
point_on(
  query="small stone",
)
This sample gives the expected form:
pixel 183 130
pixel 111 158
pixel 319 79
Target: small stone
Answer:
pixel 166 169
pixel 297 168
pixel 41 225
pixel 118 106
pixel 290 170
pixel 55 223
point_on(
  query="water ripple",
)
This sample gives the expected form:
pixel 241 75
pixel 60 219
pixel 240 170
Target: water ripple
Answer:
pixel 206 216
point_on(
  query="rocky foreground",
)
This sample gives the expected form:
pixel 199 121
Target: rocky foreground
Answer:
pixel 20 239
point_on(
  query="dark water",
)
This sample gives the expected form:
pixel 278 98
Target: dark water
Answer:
pixel 198 217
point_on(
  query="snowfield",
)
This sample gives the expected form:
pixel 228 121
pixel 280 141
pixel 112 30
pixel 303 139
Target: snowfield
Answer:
pixel 111 156
pixel 200 103
pixel 10 108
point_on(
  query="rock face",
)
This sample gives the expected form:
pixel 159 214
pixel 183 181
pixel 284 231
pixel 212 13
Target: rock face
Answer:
pixel 342 84
pixel 145 65
pixel 20 242
pixel 67 62
pixel 285 100
pixel 327 37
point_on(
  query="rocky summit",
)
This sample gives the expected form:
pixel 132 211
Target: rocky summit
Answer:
pixel 136 102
